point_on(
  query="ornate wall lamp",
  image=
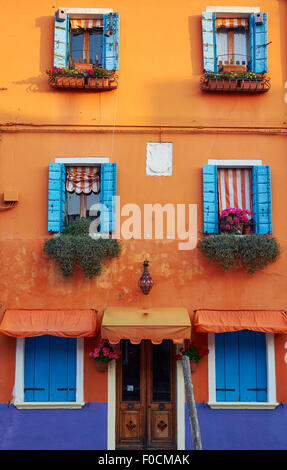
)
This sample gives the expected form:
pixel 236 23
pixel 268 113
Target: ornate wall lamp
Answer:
pixel 145 282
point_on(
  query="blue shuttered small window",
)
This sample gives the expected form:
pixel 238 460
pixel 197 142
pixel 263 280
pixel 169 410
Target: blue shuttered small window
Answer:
pixel 108 193
pixel 240 367
pixel 57 195
pixel 50 369
pixel 109 38
pixel 257 44
pixel 261 199
pixel 210 199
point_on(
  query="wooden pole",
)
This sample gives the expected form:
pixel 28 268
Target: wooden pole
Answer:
pixel 192 412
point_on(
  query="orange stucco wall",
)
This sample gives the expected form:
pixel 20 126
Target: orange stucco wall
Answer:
pixel 158 99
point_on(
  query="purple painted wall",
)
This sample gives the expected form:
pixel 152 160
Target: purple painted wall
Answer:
pixel 240 429
pixel 84 429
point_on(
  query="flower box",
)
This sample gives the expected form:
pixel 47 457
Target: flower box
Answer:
pixel 252 84
pixel 102 366
pixel 70 82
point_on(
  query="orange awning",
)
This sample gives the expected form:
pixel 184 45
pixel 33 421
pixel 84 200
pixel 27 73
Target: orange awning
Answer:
pixel 154 324
pixel 220 321
pixel 66 323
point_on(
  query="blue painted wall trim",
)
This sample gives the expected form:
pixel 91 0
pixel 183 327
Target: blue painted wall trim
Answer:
pixel 84 429
pixel 240 429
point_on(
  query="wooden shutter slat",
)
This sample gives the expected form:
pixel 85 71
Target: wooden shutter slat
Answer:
pixel 210 199
pixel 56 197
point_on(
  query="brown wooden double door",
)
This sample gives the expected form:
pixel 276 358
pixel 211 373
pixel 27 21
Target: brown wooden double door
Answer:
pixel 146 401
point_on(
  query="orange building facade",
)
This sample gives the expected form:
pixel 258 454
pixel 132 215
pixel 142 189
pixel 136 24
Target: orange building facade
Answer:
pixel 161 129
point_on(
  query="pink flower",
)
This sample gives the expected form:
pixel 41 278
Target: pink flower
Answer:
pixel 227 227
pixel 236 220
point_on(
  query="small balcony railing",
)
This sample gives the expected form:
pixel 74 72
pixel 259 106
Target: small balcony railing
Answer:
pixel 234 83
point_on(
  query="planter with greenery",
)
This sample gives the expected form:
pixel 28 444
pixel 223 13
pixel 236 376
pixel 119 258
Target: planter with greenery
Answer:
pixel 251 252
pixel 75 247
pixel 82 78
pixel 194 353
pixel 103 354
pixel 234 81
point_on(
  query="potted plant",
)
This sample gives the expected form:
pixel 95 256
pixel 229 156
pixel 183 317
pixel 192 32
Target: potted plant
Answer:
pixel 194 353
pixel 66 77
pixel 248 227
pixel 103 354
pixel 232 220
pixel 251 81
pixel 99 78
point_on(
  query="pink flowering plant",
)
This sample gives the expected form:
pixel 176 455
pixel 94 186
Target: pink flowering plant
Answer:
pixel 232 220
pixel 65 71
pixel 104 352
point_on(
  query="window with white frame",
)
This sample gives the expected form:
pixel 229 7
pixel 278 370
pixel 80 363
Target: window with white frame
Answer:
pixel 241 369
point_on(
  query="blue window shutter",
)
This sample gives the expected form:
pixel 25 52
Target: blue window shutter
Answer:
pixel 111 43
pixel 209 42
pixel 210 199
pixel 56 197
pixel 253 378
pixel 258 41
pixel 108 193
pixel 62 369
pixel 227 366
pixel 36 377
pixel 61 42
pixel 261 199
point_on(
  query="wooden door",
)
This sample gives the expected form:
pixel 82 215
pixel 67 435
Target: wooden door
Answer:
pixel 146 402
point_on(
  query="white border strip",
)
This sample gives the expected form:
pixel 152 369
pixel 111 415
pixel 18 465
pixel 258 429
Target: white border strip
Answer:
pixel 19 380
pixel 112 405
pixel 82 161
pixel 234 163
pixel 239 10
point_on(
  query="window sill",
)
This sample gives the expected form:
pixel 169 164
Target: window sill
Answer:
pixel 49 405
pixel 233 85
pixel 243 405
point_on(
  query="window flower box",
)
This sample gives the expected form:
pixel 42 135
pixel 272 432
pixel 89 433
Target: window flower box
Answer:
pixel 69 82
pixel 243 82
pixel 89 79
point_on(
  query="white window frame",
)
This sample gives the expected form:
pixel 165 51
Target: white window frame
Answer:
pixel 232 12
pixel 271 402
pixel 19 381
pixel 234 162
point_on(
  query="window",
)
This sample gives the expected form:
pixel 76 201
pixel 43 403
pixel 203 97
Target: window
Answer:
pixel 86 36
pixel 237 186
pixel 234 41
pixel 82 192
pixel 75 190
pixel 49 372
pixel 241 369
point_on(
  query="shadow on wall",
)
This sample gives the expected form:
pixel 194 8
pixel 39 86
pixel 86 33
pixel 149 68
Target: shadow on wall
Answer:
pixel 195 37
pixel 39 83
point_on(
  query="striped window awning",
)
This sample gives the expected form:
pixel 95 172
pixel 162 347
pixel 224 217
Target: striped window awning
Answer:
pixel 231 23
pixel 235 188
pixel 83 180
pixel 86 24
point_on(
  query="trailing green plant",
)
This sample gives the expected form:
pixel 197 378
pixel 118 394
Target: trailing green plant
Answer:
pixel 65 71
pixel 251 252
pixel 234 75
pixel 75 247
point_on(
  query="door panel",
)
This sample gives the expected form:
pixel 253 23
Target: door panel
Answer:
pixel 146 401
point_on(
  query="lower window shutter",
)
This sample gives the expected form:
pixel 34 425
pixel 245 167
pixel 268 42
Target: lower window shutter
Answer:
pixel 108 197
pixel 36 377
pixel 56 197
pixel 227 367
pixel 210 199
pixel 252 365
pixel 257 41
pixel 261 199
pixel 209 42
pixel 62 369
pixel 61 42
pixel 111 25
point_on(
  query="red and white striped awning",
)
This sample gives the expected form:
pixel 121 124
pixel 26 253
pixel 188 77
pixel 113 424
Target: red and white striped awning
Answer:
pixel 83 179
pixel 235 188
pixel 231 23
pixel 86 24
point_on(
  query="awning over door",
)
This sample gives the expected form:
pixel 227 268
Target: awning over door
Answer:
pixel 220 321
pixel 66 323
pixel 154 324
